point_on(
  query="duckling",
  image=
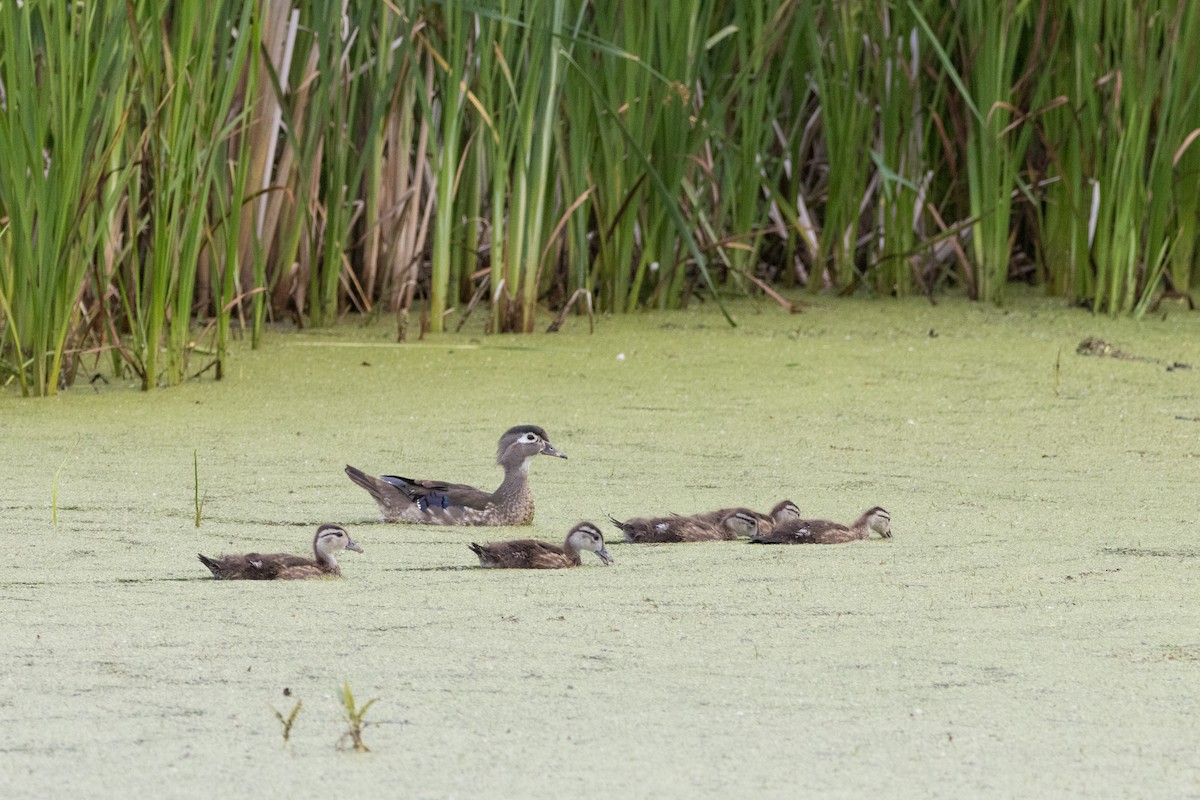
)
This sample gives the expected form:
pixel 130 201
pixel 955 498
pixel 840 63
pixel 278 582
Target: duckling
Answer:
pixel 784 509
pixel 328 541
pixel 822 531
pixel 532 554
pixel 735 522
pixel 439 503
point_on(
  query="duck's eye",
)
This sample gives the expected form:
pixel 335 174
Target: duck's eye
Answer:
pixel 529 438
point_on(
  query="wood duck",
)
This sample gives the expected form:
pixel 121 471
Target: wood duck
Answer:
pixel 329 540
pixel 698 528
pixel 822 531
pixel 532 554
pixel 439 503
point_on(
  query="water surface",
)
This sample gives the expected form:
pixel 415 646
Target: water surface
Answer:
pixel 1031 630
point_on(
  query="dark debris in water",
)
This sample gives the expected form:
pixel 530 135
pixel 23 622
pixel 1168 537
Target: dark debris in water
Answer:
pixel 1095 346
pixel 1150 552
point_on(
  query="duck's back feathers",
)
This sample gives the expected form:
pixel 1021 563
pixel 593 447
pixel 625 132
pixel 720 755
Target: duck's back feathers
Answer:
pixel 721 525
pixel 532 554
pixel 434 495
pixel 808 531
pixel 252 566
pixel 523 554
pixel 823 531
pixel 643 530
pixel 422 501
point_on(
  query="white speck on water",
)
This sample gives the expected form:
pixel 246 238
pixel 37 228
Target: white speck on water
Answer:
pixel 620 356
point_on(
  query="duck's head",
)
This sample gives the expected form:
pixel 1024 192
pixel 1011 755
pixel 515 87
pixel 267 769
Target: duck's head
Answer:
pixel 785 509
pixel 879 521
pixel 332 539
pixel 741 522
pixel 522 443
pixel 586 536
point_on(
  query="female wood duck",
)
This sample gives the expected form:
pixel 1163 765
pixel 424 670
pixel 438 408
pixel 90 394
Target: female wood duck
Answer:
pixel 531 554
pixel 735 522
pixel 822 531
pixel 330 539
pixel 440 503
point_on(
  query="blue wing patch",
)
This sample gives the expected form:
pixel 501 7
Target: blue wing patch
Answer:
pixel 433 500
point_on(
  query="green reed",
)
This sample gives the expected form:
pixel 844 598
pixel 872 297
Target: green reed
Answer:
pixel 198 500
pixel 170 171
pixel 1135 110
pixel 188 70
pixel 747 64
pixel 59 64
pixel 452 52
pixel 848 119
pixel 520 79
pixel 900 154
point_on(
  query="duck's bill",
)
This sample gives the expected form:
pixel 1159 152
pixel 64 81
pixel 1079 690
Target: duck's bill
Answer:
pixel 605 557
pixel 355 546
pixel 548 450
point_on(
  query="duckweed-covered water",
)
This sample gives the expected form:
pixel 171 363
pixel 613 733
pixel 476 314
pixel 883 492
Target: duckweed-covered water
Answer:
pixel 1031 630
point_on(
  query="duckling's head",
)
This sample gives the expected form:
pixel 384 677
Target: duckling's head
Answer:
pixel 586 536
pixel 741 522
pixel 785 509
pixel 333 539
pixel 522 443
pixel 879 521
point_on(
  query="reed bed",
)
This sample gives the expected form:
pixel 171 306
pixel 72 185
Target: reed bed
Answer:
pixel 174 175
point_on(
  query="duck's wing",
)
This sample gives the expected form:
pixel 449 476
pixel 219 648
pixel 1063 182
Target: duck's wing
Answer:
pixel 432 495
pixel 543 555
pixel 299 572
pixel 806 531
pixel 695 529
pixel 425 502
pixel 657 529
pixel 251 566
pixel 823 531
pixel 521 554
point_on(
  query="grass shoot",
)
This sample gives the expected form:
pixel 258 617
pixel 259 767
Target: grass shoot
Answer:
pixel 288 721
pixel 354 719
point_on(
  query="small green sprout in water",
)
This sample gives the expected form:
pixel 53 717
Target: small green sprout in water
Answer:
pixel 54 488
pixel 354 719
pixel 196 486
pixel 288 721
pixel 1058 374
